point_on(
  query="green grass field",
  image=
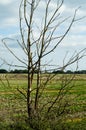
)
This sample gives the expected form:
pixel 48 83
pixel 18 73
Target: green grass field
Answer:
pixel 13 105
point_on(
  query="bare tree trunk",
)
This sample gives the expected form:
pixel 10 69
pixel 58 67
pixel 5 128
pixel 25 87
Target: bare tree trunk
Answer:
pixel 37 87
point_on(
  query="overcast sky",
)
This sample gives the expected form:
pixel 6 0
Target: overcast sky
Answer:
pixel 74 41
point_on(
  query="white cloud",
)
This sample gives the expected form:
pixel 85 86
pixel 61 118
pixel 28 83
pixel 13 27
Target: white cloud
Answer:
pixel 5 2
pixel 80 29
pixel 74 41
pixel 12 21
pixel 8 10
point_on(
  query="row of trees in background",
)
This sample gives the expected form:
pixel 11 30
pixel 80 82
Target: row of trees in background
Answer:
pixel 54 72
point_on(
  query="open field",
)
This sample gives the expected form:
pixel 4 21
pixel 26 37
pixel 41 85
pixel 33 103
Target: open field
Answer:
pixel 13 105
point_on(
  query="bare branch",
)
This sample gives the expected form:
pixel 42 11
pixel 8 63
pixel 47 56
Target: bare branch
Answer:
pixel 12 52
pixel 22 93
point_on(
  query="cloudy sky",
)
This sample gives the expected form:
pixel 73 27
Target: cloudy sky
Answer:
pixel 74 41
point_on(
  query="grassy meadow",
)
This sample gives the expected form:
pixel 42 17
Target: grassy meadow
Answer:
pixel 13 110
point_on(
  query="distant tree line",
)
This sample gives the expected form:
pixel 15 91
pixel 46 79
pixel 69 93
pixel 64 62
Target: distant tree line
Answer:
pixel 70 72
pixel 13 71
pixel 54 72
